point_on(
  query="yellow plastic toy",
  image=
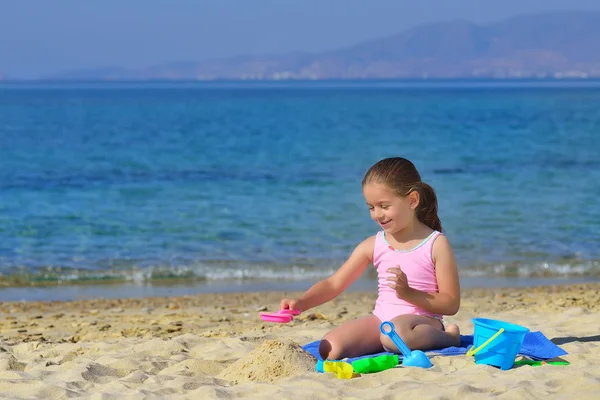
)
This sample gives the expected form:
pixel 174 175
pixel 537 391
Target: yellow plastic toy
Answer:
pixel 342 369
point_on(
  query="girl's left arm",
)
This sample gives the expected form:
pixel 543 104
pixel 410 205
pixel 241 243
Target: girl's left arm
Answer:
pixel 447 300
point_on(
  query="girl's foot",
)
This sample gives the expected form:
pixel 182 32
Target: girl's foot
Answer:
pixel 453 330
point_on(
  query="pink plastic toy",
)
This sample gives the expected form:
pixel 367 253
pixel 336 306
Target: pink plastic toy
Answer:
pixel 281 316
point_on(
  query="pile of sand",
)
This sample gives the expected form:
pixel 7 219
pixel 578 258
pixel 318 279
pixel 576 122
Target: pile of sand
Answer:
pixel 272 361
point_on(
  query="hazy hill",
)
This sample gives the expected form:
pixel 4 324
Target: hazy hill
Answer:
pixel 555 44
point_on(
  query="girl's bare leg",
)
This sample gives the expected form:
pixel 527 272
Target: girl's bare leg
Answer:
pixel 422 333
pixel 352 339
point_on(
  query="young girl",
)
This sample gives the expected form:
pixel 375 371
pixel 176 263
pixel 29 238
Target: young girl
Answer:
pixel 417 274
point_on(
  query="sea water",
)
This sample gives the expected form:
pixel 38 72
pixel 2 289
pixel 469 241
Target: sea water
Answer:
pixel 234 185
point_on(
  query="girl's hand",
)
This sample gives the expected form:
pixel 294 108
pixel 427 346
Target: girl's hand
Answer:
pixel 289 304
pixel 399 282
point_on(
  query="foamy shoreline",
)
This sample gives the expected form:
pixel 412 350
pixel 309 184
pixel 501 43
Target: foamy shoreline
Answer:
pixel 200 347
pixel 69 291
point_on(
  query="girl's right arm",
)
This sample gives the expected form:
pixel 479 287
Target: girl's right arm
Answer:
pixel 328 289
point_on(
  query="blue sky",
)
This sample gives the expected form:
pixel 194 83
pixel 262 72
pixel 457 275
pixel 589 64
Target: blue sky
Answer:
pixel 39 37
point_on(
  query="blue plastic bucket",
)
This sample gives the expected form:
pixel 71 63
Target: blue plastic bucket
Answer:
pixel 502 350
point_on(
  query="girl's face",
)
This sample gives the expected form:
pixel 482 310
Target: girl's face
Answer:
pixel 390 211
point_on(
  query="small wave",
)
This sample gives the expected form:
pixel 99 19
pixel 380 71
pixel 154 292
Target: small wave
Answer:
pixel 255 272
pixel 567 268
pixel 60 276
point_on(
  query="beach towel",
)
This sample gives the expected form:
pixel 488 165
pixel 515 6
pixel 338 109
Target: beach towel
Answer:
pixel 535 346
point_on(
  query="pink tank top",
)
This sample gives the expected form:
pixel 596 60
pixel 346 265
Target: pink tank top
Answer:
pixel 418 266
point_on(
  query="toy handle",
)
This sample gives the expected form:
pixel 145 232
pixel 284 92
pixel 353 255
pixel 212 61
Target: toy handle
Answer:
pixel 395 338
pixel 472 351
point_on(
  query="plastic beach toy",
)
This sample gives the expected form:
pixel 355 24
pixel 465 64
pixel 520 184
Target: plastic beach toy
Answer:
pixel 342 369
pixel 496 342
pixel 535 363
pixel 414 358
pixel 281 316
pixel 375 364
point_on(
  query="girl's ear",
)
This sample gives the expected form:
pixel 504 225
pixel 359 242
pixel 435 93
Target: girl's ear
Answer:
pixel 413 200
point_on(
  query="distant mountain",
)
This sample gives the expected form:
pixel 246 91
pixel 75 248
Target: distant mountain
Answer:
pixel 107 73
pixel 553 44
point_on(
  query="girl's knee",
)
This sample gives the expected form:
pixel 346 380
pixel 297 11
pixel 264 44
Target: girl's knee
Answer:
pixel 324 348
pixel 330 349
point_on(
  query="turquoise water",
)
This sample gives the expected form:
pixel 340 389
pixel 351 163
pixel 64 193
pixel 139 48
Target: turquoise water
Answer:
pixel 140 182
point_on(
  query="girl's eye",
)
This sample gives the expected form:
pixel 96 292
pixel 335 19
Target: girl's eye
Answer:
pixel 385 207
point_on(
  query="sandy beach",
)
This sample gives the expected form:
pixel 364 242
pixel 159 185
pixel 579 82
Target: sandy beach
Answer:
pixel 216 346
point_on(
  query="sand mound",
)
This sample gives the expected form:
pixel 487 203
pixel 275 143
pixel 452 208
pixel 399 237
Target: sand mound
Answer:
pixel 271 361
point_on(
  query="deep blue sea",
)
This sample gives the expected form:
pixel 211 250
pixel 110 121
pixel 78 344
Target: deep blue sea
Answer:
pixel 260 182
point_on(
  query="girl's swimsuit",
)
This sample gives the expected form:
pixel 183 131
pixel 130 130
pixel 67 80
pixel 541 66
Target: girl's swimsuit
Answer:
pixel 416 263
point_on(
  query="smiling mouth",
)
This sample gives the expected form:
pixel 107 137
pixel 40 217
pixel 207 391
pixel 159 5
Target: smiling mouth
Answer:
pixel 385 222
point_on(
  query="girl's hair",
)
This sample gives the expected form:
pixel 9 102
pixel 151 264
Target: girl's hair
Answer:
pixel 402 176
